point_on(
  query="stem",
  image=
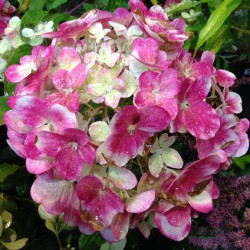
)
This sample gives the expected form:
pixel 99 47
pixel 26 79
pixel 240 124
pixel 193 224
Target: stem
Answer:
pixel 77 7
pixel 58 239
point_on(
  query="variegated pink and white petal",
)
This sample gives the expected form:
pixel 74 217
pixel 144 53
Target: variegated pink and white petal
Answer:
pixel 169 85
pixel 76 135
pixel 16 73
pixel 170 105
pixel 112 98
pixel 39 166
pixel 15 145
pixel 201 120
pixel 200 69
pixel 202 202
pixel 192 175
pixel 70 100
pixel 15 123
pixel 50 143
pixel 68 162
pixel 102 202
pixel 68 58
pixel 54 194
pixel 61 118
pixel 140 202
pixel 145 50
pixel 234 103
pixel 153 119
pixel 148 80
pixel 138 5
pixel 199 89
pixel 32 110
pixel 29 144
pixel 120 148
pixel 125 117
pixel 242 126
pixel 224 77
pixel 244 144
pixel 178 216
pixel 145 98
pixel 208 58
pixel 60 79
pixel 172 232
pixel 122 177
pixel 228 121
pixel 213 190
pixel 120 225
pixel 77 76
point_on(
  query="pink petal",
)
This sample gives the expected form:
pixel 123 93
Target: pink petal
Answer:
pixel 145 49
pixel 224 77
pixel 145 98
pixel 140 202
pixel 50 143
pixel 122 177
pixel 121 148
pixel 54 194
pixel 202 202
pixel 201 120
pixel 61 118
pixel 78 76
pixel 153 119
pixel 68 163
pixel 178 216
pixel 199 89
pixel 68 58
pixel 200 69
pixel 103 203
pixel 172 232
pixel 87 186
pixel 120 225
pixel 39 166
pixel 208 58
pixel 170 105
pixel 60 79
pixel 32 110
pixel 147 80
pixel 234 103
pixel 192 175
pixel 70 100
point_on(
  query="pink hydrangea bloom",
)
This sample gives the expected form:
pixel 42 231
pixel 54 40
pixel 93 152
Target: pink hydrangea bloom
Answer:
pixel 159 89
pixel 130 128
pixel 199 118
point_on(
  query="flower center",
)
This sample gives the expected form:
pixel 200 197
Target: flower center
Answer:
pixel 131 129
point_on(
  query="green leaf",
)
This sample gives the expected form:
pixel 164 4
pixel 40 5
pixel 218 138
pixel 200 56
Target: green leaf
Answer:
pixel 54 4
pixel 185 6
pixel 50 225
pixel 15 59
pixel 114 246
pixel 3 107
pixel 7 169
pixel 32 17
pixel 90 242
pixel 23 5
pixel 215 42
pixel 239 162
pixel 15 245
pixel 88 6
pixel 215 21
pixel 37 4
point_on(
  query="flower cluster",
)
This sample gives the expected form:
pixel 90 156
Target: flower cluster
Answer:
pixel 100 113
